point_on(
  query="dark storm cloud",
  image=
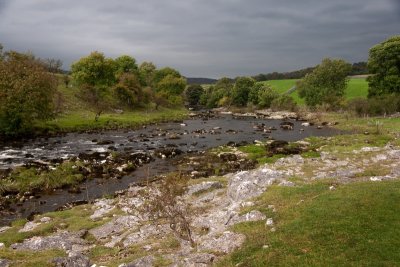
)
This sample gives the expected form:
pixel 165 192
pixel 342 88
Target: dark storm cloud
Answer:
pixel 201 37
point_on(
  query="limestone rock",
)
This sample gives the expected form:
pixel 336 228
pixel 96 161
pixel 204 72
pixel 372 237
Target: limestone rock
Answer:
pixel 4 263
pixel 251 216
pixel 115 227
pixel 269 222
pixel 146 232
pixel 224 243
pixel 4 228
pixel 198 260
pixel 29 226
pixel 248 184
pixel 74 261
pixel 45 220
pixel 61 240
pixel 286 183
pixel 102 206
pixel 146 261
pixel 204 186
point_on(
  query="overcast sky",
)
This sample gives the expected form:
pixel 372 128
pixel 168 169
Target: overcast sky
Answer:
pixel 201 38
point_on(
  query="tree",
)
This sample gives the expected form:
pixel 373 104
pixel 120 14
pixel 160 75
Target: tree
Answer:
pixel 160 74
pixel 265 97
pixel 254 93
pixel 241 89
pixel 125 64
pixel 52 65
pixel 163 201
pixel 94 70
pixel 326 83
pixel 384 65
pixel 26 93
pixel 146 73
pixel 193 94
pixel 95 74
pixel 128 90
pixel 172 85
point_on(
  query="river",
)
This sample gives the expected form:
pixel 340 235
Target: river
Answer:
pixel 191 135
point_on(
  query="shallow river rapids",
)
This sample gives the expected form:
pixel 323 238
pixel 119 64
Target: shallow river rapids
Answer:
pixel 191 135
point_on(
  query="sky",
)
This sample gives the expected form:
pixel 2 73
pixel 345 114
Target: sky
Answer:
pixel 201 38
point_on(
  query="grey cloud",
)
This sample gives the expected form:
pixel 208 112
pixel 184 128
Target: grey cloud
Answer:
pixel 210 38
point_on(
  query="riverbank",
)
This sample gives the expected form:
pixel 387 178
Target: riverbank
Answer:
pixel 289 212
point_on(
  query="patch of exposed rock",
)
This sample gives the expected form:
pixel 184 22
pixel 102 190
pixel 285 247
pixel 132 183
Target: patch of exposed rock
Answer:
pixel 74 260
pixel 68 241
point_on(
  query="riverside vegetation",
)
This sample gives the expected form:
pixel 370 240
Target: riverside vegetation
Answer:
pixel 320 201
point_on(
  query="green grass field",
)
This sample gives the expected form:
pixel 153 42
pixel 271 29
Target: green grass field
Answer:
pixel 355 225
pixel 357 87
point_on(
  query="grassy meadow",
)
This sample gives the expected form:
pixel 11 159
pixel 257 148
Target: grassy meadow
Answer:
pixel 76 115
pixel 355 225
pixel 357 87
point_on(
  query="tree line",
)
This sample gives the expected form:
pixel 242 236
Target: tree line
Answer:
pixel 28 86
pixel 358 68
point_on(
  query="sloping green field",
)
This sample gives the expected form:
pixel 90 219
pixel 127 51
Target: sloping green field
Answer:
pixel 357 87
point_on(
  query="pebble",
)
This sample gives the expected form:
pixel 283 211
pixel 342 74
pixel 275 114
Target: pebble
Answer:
pixel 269 222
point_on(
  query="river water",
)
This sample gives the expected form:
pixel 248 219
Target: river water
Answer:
pixel 191 135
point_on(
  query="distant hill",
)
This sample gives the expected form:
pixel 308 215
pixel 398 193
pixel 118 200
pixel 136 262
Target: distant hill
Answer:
pixel 200 80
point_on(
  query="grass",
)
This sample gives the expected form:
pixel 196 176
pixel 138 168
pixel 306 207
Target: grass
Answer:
pixel 354 124
pixel 357 87
pixel 77 116
pixel 74 219
pixel 355 225
pixel 28 179
pixel 84 119
pixel 31 258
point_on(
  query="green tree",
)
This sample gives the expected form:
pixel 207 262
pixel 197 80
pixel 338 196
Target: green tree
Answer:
pixel 326 84
pixel 94 70
pixel 125 64
pixel 265 97
pixel 147 72
pixel 160 74
pixel 241 89
pixel 129 90
pixel 26 93
pixel 384 65
pixel 255 92
pixel 172 85
pixel 193 94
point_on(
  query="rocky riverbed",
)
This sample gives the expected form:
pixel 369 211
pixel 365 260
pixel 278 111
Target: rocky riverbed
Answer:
pixel 218 202
pixel 106 162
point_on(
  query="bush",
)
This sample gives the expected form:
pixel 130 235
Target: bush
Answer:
pixel 284 102
pixel 266 96
pixel 193 93
pixel 26 93
pixel 374 106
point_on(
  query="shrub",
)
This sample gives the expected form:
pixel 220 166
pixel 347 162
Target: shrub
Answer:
pixel 193 94
pixel 378 105
pixel 266 96
pixel 284 102
pixel 26 93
